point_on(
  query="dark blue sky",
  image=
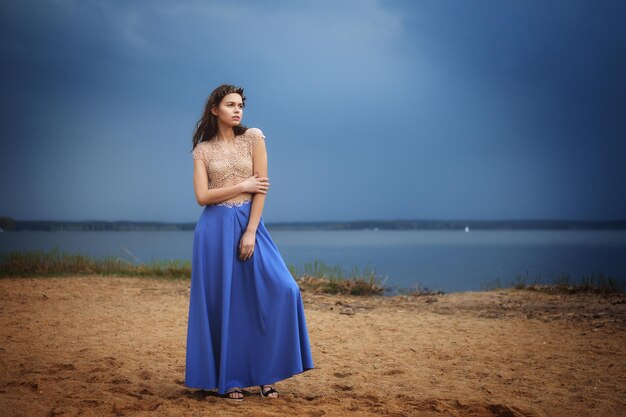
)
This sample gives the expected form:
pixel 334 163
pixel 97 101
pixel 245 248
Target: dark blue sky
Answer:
pixel 371 109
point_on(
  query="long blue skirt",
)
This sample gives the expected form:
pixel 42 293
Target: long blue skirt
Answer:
pixel 246 322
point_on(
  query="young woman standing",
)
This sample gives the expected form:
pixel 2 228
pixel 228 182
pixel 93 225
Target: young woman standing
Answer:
pixel 246 322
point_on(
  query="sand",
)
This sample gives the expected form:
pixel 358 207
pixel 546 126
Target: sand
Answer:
pixel 91 346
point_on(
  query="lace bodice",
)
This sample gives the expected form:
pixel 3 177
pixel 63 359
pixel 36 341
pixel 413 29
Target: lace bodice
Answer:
pixel 226 167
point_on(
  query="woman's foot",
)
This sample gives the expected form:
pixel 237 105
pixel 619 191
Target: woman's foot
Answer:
pixel 234 394
pixel 267 391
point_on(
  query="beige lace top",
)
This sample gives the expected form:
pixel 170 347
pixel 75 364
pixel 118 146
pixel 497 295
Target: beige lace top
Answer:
pixel 228 167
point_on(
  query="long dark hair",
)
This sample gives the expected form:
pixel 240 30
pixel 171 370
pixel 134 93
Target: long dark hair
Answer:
pixel 206 127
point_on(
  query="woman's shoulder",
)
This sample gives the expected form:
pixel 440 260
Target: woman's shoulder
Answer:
pixel 253 135
pixel 202 145
pixel 200 150
pixel 254 131
pixel 204 149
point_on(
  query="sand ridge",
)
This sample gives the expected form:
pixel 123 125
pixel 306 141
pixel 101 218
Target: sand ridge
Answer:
pixel 91 346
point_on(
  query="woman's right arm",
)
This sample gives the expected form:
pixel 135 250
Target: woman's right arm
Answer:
pixel 205 196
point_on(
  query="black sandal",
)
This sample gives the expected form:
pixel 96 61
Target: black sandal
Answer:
pixel 265 394
pixel 228 397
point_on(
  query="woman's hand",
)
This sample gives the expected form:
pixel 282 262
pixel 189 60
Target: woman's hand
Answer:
pixel 246 245
pixel 254 184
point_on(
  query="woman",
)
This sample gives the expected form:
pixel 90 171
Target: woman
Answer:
pixel 246 319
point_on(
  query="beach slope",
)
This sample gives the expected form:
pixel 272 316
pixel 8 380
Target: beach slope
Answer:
pixel 93 346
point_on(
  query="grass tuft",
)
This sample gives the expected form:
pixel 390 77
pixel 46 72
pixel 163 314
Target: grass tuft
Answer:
pixel 316 276
pixel 56 262
pixel 320 277
pixel 592 284
pixel 564 284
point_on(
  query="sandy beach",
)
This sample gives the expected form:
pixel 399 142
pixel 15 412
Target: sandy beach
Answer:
pixel 92 346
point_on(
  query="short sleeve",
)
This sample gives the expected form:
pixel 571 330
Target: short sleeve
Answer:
pixel 198 152
pixel 258 136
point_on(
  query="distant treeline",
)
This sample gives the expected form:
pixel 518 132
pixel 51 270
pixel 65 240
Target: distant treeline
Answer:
pixel 8 224
pixel 454 225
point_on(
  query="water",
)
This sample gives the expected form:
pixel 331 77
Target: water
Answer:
pixel 446 260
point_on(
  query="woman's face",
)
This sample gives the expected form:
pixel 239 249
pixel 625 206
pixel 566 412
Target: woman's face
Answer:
pixel 230 110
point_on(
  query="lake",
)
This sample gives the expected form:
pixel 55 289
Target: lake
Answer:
pixel 447 260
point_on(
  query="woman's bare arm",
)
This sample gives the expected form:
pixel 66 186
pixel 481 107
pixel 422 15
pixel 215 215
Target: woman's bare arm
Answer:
pixel 204 195
pixel 259 165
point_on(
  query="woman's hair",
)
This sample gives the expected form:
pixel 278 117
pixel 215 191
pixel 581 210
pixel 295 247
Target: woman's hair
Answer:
pixel 206 127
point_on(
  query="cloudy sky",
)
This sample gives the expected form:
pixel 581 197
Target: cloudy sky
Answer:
pixel 371 109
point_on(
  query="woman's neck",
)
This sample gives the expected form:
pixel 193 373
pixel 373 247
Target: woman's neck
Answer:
pixel 225 133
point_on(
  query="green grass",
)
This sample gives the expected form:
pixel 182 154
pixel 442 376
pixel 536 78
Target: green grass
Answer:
pixel 597 284
pixel 316 276
pixel 58 263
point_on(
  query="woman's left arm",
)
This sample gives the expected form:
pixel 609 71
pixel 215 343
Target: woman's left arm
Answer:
pixel 259 165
